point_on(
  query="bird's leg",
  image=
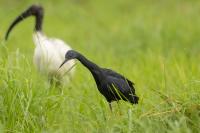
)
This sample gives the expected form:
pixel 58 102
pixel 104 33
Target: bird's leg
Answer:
pixel 110 106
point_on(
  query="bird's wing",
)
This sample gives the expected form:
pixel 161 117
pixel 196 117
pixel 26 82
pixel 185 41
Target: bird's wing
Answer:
pixel 61 46
pixel 120 88
pixel 115 74
pixel 57 50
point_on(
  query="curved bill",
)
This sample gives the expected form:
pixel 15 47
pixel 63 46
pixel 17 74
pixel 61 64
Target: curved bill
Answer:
pixel 17 20
pixel 63 62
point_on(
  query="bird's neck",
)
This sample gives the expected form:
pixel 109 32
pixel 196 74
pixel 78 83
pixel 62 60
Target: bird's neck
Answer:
pixel 39 38
pixel 88 64
pixel 38 21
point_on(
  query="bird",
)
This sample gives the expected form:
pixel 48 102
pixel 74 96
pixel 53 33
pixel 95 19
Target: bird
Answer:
pixel 49 52
pixel 112 85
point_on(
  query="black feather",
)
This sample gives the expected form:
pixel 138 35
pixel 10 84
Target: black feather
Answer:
pixel 112 85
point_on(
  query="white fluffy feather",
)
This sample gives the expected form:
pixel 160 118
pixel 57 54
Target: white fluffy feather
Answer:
pixel 49 54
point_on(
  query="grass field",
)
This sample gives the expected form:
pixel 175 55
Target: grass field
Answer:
pixel 156 44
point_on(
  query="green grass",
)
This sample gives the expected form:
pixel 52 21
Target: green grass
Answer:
pixel 156 44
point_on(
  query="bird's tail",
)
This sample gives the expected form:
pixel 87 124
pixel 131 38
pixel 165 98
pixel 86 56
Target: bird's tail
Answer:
pixel 134 99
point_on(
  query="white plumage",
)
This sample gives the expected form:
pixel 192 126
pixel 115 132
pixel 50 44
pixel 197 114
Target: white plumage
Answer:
pixel 49 52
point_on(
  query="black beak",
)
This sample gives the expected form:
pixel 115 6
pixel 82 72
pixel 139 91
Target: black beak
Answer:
pixel 16 21
pixel 63 62
pixel 32 10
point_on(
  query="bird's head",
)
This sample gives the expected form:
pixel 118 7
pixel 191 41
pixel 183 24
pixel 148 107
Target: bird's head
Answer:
pixel 33 10
pixel 71 54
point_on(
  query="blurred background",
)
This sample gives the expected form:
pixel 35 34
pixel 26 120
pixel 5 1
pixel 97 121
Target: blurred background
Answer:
pixel 155 43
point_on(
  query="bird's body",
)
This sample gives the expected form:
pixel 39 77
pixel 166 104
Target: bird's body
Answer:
pixel 112 85
pixel 115 87
pixel 49 52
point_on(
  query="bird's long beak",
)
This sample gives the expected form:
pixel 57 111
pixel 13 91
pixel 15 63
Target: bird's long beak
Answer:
pixel 22 16
pixel 34 10
pixel 66 60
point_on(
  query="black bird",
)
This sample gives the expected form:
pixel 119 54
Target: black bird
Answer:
pixel 112 85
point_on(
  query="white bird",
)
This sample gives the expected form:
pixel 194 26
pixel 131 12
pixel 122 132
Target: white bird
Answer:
pixel 49 52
